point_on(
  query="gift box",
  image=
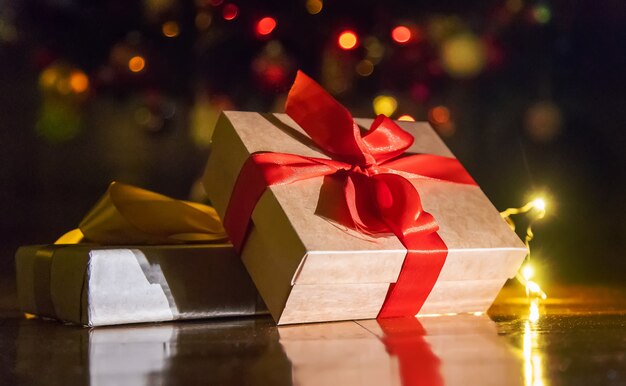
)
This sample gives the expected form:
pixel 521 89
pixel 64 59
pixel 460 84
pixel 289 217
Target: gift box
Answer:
pixel 103 285
pixel 283 191
pixel 137 256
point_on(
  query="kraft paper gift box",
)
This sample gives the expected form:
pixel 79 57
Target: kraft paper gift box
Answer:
pixel 104 285
pixel 309 267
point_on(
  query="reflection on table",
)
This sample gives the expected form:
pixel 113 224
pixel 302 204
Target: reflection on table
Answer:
pixel 579 339
pixel 454 350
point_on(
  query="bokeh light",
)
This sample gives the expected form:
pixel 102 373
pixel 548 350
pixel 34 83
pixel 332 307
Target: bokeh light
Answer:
pixel 420 92
pixel 385 104
pixel 543 122
pixel 364 67
pixel 170 29
pixel 58 121
pixel 79 82
pixel 439 115
pixel 401 34
pixel 406 118
pixel 62 79
pixel 48 78
pixel 314 6
pixel 136 64
pixel 375 50
pixel 203 20
pixel 266 25
pixel 347 40
pixel 463 56
pixel 440 118
pixel 514 6
pixel 230 11
pixel 541 13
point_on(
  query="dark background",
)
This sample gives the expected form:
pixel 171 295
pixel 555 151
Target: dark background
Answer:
pixel 534 91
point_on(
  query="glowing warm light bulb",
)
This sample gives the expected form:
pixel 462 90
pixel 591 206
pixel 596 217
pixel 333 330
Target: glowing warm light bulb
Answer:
pixel 170 29
pixel 540 204
pixel 266 25
pixel 230 11
pixel 348 40
pixel 406 118
pixel 136 64
pixel 401 34
pixel 385 104
pixel 528 272
pixel 314 6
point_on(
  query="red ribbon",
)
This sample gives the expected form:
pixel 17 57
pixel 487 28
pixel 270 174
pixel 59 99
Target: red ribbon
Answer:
pixel 376 195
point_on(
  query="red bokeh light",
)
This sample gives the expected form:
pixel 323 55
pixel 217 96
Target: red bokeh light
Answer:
pixel 401 34
pixel 266 25
pixel 230 11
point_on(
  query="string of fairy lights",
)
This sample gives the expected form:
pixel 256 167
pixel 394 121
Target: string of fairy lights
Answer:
pixel 535 210
pixel 533 366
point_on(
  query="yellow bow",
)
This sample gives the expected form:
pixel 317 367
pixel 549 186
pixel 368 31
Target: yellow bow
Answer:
pixel 130 215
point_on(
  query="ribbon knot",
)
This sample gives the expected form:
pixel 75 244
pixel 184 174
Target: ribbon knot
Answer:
pixel 370 172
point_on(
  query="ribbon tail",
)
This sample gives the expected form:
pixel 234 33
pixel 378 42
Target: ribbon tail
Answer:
pixel 421 268
pixel 74 236
pixel 400 205
pixel 247 191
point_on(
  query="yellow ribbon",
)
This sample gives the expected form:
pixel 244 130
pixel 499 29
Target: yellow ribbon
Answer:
pixel 130 215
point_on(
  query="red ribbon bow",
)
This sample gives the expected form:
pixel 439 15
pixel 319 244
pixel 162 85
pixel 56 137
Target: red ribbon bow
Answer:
pixel 377 196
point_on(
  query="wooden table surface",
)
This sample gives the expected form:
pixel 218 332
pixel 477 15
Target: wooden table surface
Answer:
pixel 580 339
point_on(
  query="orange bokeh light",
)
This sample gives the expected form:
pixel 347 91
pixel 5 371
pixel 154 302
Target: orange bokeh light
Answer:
pixel 440 115
pixel 347 40
pixel 266 25
pixel 79 82
pixel 401 34
pixel 170 29
pixel 230 11
pixel 136 64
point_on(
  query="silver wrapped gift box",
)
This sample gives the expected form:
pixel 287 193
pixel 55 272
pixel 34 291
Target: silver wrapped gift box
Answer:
pixel 103 285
